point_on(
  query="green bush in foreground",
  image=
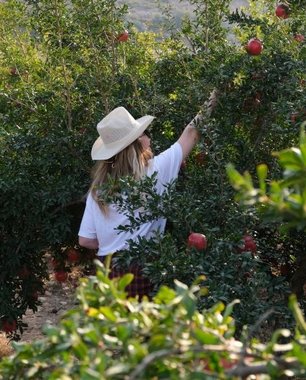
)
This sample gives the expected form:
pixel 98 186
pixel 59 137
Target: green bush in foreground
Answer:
pixel 280 202
pixel 108 336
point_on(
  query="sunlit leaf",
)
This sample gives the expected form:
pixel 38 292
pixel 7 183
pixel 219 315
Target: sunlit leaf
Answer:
pixel 125 281
pixel 205 337
pixel 262 172
pixel 108 313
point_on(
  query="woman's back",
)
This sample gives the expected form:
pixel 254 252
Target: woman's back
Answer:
pixel 103 226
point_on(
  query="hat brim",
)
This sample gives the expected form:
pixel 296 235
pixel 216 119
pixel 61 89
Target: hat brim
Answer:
pixel 100 151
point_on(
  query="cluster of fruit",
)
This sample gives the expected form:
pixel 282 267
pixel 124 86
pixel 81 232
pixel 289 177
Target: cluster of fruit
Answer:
pixel 199 242
pixel 71 256
pixel 255 46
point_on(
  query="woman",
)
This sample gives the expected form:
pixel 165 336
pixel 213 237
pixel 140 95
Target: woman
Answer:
pixel 123 149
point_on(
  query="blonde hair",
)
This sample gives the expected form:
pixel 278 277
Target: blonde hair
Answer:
pixel 131 161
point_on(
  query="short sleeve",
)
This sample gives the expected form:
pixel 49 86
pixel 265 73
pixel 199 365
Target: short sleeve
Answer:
pixel 167 164
pixel 88 228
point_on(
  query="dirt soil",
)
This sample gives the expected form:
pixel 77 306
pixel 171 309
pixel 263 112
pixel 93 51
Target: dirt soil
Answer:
pixel 56 300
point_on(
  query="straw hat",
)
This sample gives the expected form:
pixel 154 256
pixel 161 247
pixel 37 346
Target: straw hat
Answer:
pixel 117 130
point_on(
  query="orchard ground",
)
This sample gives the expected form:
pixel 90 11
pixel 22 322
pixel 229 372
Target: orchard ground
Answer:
pixel 56 300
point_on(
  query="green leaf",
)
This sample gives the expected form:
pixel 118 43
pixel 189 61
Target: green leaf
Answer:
pixel 109 339
pixel 123 332
pixel 229 309
pixel 236 179
pixel 157 341
pixel 291 159
pixel 297 312
pixel 205 337
pixel 280 333
pixel 293 178
pixel 189 302
pixel 125 281
pixel 262 172
pixel 90 374
pixel 273 370
pixel 303 135
pixel 180 287
pixel 80 349
pixel 303 143
pixel 165 295
pixel 117 369
pixel 217 308
pixel 32 371
pixel 299 353
pixel 108 313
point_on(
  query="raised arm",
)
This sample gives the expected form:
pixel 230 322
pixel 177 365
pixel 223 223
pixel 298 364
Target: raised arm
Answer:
pixel 188 139
pixel 191 134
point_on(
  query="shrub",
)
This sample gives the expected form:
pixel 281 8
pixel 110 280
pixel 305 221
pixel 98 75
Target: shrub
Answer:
pixel 63 69
pixel 108 336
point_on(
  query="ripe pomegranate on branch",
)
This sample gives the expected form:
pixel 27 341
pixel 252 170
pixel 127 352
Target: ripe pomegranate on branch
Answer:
pixel 123 37
pixel 282 11
pixel 254 46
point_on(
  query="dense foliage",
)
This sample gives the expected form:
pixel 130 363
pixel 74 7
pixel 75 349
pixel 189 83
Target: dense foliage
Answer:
pixel 108 336
pixel 63 68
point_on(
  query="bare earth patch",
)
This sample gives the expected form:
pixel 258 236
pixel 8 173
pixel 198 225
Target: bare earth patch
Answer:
pixel 57 299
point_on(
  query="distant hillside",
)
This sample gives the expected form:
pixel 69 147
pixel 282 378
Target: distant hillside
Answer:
pixel 147 14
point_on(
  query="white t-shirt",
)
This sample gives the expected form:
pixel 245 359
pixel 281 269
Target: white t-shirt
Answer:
pixel 96 225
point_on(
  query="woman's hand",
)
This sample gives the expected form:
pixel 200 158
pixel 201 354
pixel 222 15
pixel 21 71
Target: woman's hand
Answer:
pixel 191 135
pixel 207 109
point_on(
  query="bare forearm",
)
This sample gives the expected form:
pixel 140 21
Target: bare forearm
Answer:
pixel 188 139
pixel 88 243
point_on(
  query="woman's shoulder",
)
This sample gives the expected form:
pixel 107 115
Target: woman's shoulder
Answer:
pixel 175 151
pixel 168 160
